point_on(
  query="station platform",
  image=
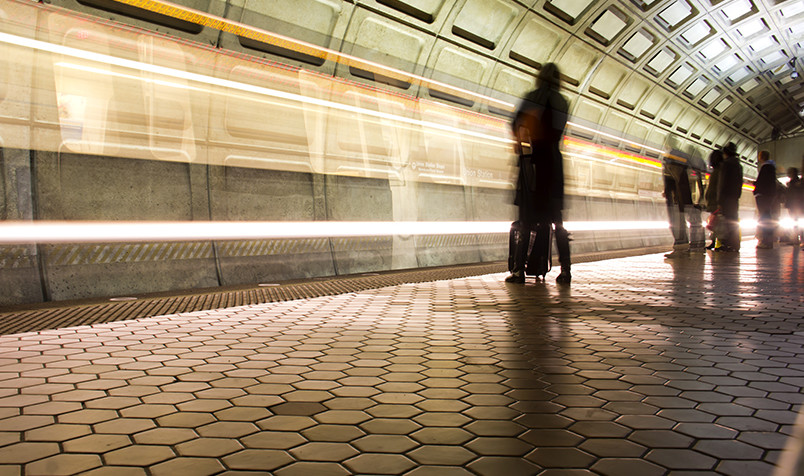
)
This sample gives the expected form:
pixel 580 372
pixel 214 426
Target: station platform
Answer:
pixel 643 366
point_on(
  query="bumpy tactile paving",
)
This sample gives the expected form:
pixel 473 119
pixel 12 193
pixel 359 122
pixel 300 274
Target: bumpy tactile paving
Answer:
pixel 643 366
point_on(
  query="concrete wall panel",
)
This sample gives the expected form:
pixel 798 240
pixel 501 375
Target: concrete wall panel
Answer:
pixel 485 22
pixel 606 78
pixel 536 42
pixel 576 62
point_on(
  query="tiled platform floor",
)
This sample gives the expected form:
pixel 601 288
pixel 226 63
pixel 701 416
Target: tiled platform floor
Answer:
pixel 642 367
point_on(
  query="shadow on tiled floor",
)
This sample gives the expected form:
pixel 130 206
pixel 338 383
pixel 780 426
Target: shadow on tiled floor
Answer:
pixel 644 366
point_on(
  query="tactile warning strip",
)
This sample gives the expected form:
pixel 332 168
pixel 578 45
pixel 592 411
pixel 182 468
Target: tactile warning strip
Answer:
pixel 54 316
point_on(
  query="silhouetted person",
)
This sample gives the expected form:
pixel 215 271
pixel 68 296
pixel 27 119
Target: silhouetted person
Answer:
pixel 765 196
pixel 794 201
pixel 729 189
pixel 680 207
pixel 710 196
pixel 540 121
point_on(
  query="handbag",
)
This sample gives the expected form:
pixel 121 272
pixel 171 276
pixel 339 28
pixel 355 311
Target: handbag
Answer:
pixel 712 220
pixel 716 223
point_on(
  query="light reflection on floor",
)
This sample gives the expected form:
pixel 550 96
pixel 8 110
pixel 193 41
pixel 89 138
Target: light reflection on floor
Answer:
pixel 643 366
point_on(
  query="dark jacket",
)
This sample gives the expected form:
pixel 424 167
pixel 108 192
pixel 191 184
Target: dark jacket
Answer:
pixel 794 196
pixel 712 188
pixel 765 185
pixel 676 183
pixel 540 185
pixel 730 182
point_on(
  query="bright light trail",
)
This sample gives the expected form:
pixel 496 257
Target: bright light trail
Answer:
pixel 27 232
pixel 234 85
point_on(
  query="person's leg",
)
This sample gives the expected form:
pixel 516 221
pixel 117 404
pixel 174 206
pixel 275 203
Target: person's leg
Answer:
pixel 697 235
pixel 731 238
pixel 562 243
pixel 765 224
pixel 675 214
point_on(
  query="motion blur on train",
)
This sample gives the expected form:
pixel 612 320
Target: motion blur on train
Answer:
pixel 108 121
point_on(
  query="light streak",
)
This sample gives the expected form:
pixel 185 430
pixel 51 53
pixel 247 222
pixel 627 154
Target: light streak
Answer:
pixel 612 136
pixel 28 232
pixel 240 29
pixel 175 73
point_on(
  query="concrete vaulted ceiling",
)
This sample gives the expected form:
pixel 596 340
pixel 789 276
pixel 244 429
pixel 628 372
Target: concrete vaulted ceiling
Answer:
pixel 705 71
pixel 738 60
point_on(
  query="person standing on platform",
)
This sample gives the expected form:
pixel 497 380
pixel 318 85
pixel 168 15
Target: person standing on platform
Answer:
pixel 765 196
pixel 680 207
pixel 710 196
pixel 540 121
pixel 729 189
pixel 794 201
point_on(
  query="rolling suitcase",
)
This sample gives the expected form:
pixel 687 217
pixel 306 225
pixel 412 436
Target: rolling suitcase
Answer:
pixel 539 256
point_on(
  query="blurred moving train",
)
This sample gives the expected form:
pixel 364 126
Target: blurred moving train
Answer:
pixel 107 123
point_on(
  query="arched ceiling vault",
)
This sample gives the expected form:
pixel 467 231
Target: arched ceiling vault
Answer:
pixel 738 60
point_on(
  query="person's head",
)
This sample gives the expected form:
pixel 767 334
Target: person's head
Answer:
pixel 792 173
pixel 549 76
pixel 763 156
pixel 730 150
pixel 715 158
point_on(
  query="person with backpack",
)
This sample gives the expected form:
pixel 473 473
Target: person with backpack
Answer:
pixel 539 124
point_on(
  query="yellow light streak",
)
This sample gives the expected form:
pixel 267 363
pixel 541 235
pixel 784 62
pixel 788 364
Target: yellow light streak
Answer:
pixel 247 31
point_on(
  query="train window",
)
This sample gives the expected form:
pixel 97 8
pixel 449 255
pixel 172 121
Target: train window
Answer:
pixel 147 15
pixel 424 10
